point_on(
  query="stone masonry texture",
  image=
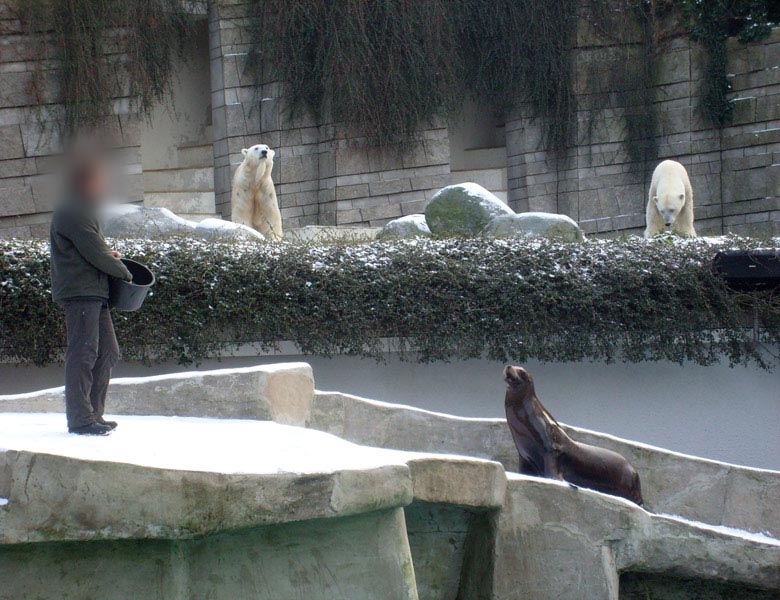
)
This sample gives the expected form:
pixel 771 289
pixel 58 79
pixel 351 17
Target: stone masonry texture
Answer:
pixel 323 175
pixel 30 140
pixel 735 172
pixel 326 175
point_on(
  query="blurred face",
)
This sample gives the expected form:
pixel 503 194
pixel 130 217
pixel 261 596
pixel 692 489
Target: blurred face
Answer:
pixel 96 186
pixel 93 183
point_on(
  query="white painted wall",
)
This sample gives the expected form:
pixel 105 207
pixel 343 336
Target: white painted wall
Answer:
pixel 717 412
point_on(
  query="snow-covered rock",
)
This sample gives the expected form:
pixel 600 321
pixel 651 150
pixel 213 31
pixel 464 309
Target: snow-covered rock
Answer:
pixel 535 224
pixel 410 226
pixel 133 221
pixel 463 209
pixel 217 229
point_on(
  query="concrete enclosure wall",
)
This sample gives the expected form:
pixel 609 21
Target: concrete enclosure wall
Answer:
pixel 30 142
pixel 409 505
pixel 717 412
pixel 323 175
pixel 356 555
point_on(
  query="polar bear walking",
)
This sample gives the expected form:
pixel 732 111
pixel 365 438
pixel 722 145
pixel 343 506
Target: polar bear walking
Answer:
pixel 671 201
pixel 253 199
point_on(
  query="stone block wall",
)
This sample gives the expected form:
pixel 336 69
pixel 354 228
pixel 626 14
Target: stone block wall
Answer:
pixel 323 175
pixel 735 172
pixel 29 139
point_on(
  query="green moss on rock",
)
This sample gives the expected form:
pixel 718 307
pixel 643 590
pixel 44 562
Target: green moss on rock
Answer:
pixel 463 209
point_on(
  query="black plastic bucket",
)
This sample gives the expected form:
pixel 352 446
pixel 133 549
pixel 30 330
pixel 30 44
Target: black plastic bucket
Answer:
pixel 127 296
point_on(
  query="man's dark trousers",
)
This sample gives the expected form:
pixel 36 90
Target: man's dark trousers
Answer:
pixel 92 353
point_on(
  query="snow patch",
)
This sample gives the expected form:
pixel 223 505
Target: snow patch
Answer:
pixel 3 501
pixel 227 446
pixel 761 538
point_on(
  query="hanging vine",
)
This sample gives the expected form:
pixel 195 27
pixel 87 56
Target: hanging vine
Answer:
pixel 634 34
pixel 388 66
pixel 385 67
pixel 711 23
pixel 104 49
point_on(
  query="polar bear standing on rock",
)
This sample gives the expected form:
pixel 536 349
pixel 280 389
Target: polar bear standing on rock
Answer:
pixel 671 201
pixel 253 200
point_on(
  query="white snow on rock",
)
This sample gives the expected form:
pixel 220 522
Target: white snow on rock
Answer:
pixel 191 444
pixel 761 538
pixel 226 230
pixel 176 375
pixel 3 501
pixel 410 226
pixel 535 224
pixel 133 221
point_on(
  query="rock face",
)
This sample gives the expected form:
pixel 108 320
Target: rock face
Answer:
pixel 535 224
pixel 410 226
pixel 281 392
pixel 124 221
pixel 463 209
pixel 378 501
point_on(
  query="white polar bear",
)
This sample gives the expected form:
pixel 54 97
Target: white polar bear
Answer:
pixel 253 200
pixel 671 201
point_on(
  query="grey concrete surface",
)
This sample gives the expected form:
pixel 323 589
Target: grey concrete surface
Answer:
pixel 722 413
pixel 364 557
pixel 471 530
pixel 555 541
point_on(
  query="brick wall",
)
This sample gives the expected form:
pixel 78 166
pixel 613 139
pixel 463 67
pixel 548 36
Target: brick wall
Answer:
pixel 735 172
pixel 323 175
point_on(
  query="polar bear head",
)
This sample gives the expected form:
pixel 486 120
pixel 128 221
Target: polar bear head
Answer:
pixel 669 199
pixel 258 152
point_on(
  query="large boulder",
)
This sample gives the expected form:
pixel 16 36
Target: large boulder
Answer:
pixel 410 226
pixel 535 224
pixel 463 209
pixel 133 221
pixel 128 221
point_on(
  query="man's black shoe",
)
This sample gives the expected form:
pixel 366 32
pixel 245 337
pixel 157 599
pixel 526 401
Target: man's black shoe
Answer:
pixel 91 429
pixel 110 424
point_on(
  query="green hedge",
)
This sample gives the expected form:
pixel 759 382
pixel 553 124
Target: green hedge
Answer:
pixel 440 299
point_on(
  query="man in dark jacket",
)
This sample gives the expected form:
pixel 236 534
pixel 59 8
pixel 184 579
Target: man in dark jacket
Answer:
pixel 81 264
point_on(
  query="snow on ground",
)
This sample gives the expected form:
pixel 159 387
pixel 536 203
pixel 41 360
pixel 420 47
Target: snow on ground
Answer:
pixel 193 444
pixel 740 533
pixel 3 501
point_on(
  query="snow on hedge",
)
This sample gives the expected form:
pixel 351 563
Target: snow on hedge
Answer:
pixel 439 299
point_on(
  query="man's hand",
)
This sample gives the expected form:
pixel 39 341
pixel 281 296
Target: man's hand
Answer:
pixel 116 254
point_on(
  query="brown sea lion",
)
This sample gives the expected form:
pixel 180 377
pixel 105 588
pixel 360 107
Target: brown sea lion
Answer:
pixel 547 451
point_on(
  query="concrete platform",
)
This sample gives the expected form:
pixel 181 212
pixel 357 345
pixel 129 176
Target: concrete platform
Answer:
pixel 284 492
pixel 171 478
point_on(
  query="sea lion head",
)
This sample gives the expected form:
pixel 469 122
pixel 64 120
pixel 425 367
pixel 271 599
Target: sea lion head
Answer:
pixel 519 380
